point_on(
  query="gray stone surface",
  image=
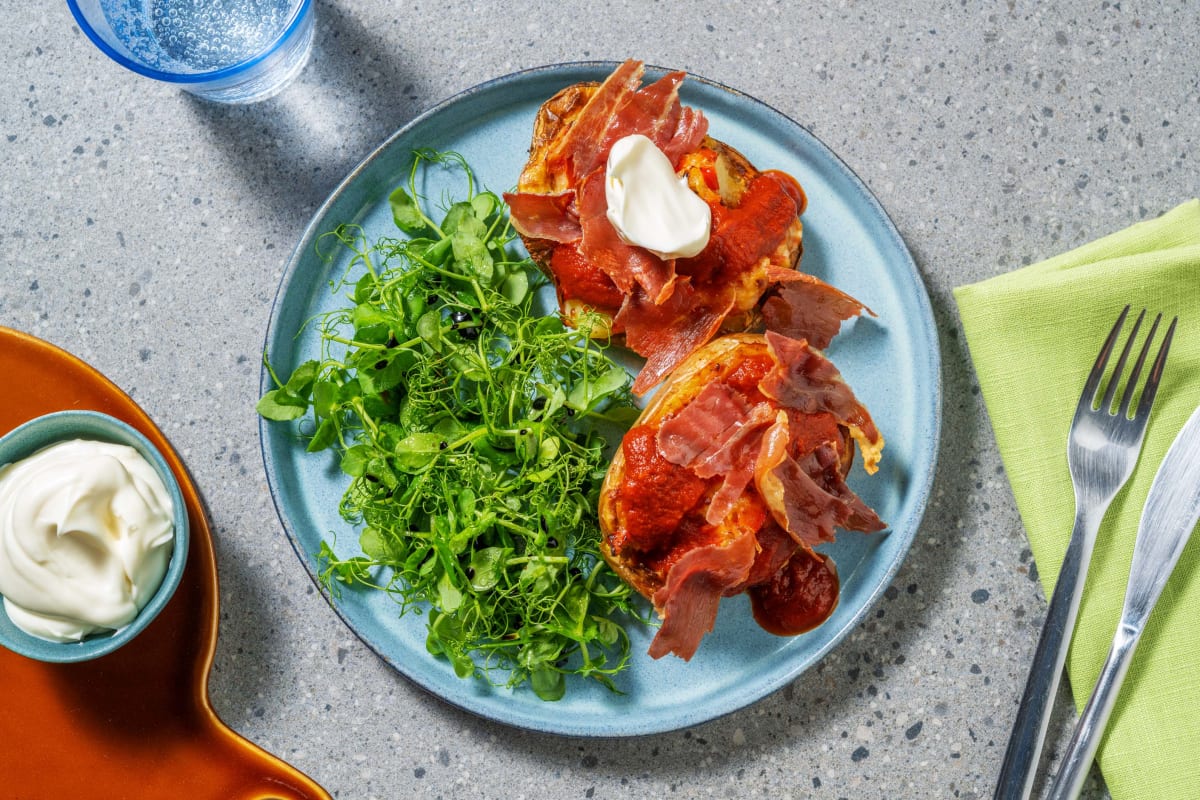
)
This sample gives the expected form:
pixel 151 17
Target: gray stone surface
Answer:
pixel 146 232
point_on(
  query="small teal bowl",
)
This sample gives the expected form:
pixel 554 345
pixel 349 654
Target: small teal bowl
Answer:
pixel 64 426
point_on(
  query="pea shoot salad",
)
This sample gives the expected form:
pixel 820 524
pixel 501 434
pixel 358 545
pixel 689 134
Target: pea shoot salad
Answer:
pixel 472 430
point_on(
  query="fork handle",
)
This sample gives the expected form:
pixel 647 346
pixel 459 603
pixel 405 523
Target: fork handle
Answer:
pixel 1033 716
pixel 1089 730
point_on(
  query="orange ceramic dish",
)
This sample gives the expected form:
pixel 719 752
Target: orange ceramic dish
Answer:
pixel 136 723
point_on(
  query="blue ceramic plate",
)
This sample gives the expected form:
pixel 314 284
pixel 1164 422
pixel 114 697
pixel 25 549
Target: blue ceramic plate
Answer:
pixel 891 361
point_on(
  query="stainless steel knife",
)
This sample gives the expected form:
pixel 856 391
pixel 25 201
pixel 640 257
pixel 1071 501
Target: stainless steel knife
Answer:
pixel 1171 512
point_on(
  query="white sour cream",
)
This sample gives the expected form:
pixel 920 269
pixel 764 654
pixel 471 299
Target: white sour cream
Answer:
pixel 86 533
pixel 649 205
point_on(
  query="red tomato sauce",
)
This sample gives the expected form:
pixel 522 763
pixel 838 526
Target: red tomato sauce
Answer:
pixel 577 279
pixel 798 597
pixel 743 235
pixel 747 373
pixel 792 187
pixel 691 532
pixel 758 225
pixel 655 495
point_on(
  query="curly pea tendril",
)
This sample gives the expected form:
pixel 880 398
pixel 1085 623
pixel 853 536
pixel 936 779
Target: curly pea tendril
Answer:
pixel 472 430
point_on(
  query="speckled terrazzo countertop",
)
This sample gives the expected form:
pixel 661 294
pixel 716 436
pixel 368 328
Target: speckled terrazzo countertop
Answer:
pixel 146 232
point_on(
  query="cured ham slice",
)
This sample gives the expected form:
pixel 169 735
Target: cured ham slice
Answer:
pixel 653 111
pixel 805 307
pixel 694 587
pixel 581 149
pixel 545 216
pixel 618 108
pixel 689 133
pixel 734 461
pixel 625 264
pixel 802 496
pixel 657 113
pixel 578 215
pixel 702 426
pixel 855 515
pixel 739 444
pixel 800 507
pixel 805 380
pixel 717 435
pixel 668 332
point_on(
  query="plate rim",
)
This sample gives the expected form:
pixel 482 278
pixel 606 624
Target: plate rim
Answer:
pixel 919 491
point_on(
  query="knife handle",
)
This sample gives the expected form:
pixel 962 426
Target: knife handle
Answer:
pixel 1033 716
pixel 1081 750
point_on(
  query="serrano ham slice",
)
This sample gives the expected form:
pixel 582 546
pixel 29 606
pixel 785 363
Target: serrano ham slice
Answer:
pixel 655 112
pixel 625 264
pixel 804 496
pixel 805 380
pixel 717 435
pixel 695 585
pixel 581 148
pixel 702 426
pixel 823 467
pixel 690 132
pixel 545 216
pixel 805 307
pixel 667 333
pixel 734 462
pixel 618 108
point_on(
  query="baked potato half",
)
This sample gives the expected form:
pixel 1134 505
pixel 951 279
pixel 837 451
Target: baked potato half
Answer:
pixel 732 474
pixel 662 309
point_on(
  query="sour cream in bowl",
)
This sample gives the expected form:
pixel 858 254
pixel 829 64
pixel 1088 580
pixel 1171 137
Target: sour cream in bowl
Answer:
pixel 93 536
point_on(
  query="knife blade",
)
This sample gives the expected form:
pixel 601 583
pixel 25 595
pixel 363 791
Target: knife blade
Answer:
pixel 1171 511
pixel 1168 518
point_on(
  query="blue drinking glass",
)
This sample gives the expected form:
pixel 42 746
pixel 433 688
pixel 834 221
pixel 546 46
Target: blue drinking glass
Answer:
pixel 228 51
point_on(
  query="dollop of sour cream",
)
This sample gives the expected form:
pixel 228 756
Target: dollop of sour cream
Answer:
pixel 649 205
pixel 86 534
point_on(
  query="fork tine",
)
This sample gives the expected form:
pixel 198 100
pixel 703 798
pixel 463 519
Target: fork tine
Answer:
pixel 1131 384
pixel 1111 391
pixel 1093 379
pixel 1151 389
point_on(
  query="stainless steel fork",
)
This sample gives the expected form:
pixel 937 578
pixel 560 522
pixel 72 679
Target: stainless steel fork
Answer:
pixel 1102 450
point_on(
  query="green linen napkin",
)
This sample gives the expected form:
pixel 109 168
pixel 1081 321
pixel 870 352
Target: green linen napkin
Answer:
pixel 1033 336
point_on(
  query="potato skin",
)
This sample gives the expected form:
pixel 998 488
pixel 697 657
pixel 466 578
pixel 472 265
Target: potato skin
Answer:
pixel 702 367
pixel 553 120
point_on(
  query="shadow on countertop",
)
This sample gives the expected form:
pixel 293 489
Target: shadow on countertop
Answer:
pixel 292 150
